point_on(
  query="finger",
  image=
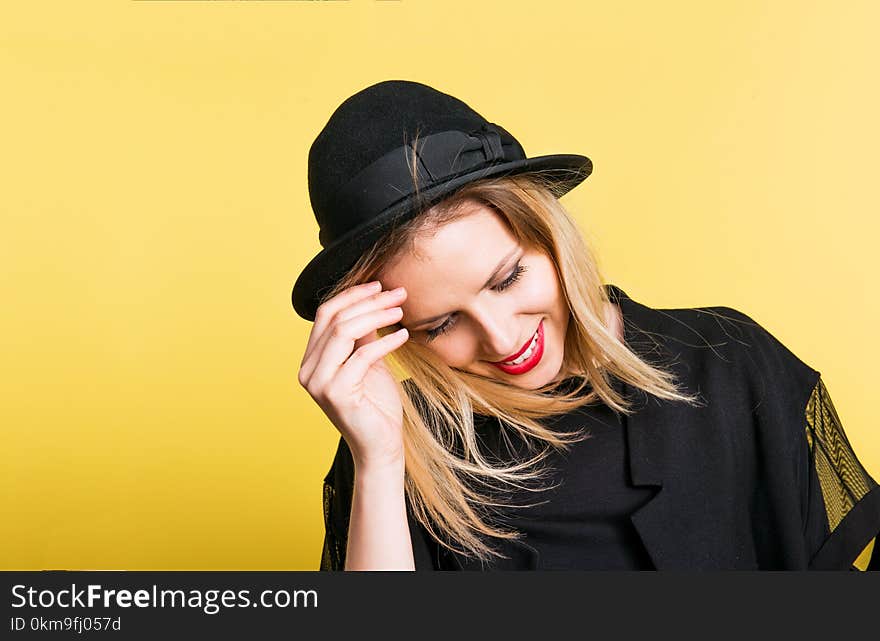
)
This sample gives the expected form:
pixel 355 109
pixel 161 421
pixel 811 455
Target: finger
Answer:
pixel 372 337
pixel 382 301
pixel 378 301
pixel 328 309
pixel 358 364
pixel 366 339
pixel 341 339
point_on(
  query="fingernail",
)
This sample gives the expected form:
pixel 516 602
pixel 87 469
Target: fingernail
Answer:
pixel 375 285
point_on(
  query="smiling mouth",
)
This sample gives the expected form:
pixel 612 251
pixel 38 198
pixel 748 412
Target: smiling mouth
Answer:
pixel 527 358
pixel 523 354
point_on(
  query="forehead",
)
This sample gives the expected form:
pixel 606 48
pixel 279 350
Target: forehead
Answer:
pixel 454 259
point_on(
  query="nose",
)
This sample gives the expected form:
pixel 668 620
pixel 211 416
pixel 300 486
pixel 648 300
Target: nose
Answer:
pixel 500 336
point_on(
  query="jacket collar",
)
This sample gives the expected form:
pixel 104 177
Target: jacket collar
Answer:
pixel 645 447
pixel 648 450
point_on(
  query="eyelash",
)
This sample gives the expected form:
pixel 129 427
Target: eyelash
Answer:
pixel 500 287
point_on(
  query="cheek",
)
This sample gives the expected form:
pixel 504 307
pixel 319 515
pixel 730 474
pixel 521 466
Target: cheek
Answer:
pixel 540 293
pixel 455 352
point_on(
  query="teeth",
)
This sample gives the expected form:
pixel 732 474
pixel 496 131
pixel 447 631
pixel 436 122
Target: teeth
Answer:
pixel 526 354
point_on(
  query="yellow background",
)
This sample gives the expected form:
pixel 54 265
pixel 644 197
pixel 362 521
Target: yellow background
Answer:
pixel 155 214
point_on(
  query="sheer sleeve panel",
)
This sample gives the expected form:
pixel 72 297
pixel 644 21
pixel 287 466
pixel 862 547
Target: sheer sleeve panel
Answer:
pixel 843 513
pixel 338 491
pixel 333 554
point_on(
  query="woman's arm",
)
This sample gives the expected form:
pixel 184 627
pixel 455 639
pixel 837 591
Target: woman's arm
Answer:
pixel 344 371
pixel 378 534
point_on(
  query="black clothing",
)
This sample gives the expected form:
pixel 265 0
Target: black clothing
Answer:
pixel 761 476
pixel 582 521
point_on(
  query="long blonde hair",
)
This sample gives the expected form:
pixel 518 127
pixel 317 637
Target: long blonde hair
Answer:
pixel 444 464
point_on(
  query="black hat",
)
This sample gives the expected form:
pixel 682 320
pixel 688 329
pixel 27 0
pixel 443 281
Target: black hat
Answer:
pixel 361 181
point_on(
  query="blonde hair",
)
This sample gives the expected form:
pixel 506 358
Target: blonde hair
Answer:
pixel 444 464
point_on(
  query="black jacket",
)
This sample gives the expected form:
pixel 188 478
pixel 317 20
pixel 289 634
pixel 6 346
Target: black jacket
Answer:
pixel 760 477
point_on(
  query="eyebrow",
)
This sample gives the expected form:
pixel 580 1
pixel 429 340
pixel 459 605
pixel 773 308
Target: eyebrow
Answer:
pixel 504 261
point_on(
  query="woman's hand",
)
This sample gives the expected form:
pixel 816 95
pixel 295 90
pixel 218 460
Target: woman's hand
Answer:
pixel 343 371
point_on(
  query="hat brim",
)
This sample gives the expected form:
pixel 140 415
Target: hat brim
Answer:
pixel 565 171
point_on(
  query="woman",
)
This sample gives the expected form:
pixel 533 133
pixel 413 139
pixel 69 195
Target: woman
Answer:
pixel 540 419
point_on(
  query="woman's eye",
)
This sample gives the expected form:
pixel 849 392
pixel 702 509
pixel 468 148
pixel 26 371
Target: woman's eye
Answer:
pixel 441 329
pixel 510 280
pixel 500 287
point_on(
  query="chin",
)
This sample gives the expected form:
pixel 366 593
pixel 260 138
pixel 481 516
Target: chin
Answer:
pixel 544 374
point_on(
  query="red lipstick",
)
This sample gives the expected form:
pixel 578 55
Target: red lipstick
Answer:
pixel 533 359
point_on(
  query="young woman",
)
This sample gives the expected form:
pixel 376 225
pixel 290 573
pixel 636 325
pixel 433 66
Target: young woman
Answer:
pixel 540 418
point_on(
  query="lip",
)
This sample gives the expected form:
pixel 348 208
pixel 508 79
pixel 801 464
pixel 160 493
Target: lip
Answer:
pixel 530 362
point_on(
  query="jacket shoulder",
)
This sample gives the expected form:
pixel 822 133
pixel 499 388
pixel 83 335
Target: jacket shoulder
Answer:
pixel 719 346
pixel 763 353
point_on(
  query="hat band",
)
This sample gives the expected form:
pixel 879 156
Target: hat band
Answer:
pixel 439 157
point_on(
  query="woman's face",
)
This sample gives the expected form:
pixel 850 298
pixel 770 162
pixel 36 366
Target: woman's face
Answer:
pixel 476 297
